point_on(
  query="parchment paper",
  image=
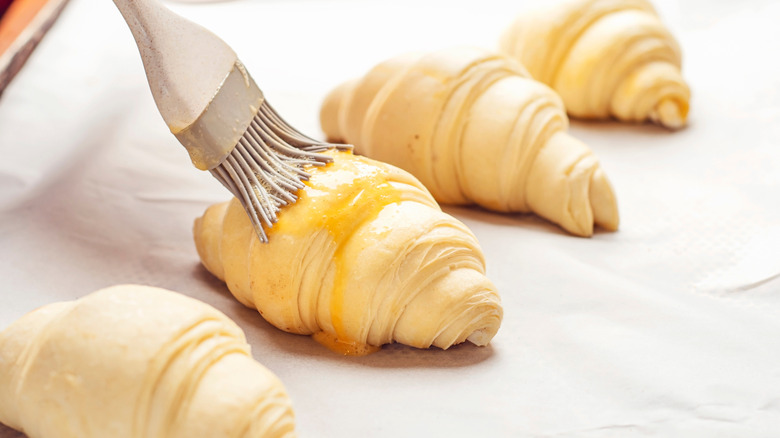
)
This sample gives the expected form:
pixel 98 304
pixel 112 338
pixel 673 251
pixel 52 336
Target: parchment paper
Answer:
pixel 668 327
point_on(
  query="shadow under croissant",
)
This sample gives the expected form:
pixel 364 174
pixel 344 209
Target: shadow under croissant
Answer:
pixel 526 221
pixel 259 331
pixel 614 126
pixel 529 221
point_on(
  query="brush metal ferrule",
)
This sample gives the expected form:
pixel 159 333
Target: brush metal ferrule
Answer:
pixel 214 134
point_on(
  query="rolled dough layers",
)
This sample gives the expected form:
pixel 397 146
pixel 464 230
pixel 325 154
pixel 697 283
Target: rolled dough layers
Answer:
pixel 606 58
pixel 136 361
pixel 365 257
pixel 475 128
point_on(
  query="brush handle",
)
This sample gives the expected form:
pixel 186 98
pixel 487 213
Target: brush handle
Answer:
pixel 185 63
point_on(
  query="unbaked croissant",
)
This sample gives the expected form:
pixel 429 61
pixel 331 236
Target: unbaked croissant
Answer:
pixel 135 361
pixel 474 128
pixel 363 258
pixel 605 58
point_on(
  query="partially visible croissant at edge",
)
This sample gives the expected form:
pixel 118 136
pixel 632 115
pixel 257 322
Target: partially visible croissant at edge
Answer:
pixel 474 128
pixel 363 258
pixel 136 361
pixel 606 58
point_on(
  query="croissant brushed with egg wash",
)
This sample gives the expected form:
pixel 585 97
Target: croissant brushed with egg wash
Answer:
pixel 136 361
pixel 606 58
pixel 475 129
pixel 365 257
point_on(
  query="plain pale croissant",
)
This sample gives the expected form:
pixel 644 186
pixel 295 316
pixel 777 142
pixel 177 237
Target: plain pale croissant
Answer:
pixel 135 361
pixel 605 58
pixel 363 258
pixel 475 129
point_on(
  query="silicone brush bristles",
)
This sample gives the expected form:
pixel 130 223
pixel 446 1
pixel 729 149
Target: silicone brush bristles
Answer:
pixel 265 169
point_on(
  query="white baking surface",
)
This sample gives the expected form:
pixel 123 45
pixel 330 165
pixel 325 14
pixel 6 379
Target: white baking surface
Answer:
pixel 668 327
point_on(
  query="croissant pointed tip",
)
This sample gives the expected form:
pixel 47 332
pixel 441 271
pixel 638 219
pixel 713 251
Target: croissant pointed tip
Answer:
pixel 603 202
pixel 329 112
pixel 670 113
pixel 482 337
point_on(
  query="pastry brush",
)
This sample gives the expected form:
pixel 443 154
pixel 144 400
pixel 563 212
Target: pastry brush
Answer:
pixel 214 108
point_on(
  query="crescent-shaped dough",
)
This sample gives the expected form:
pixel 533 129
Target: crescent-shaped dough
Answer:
pixel 475 128
pixel 135 361
pixel 606 58
pixel 365 257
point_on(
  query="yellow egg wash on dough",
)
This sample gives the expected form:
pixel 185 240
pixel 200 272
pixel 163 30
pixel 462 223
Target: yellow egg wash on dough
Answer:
pixel 347 348
pixel 365 255
pixel 340 204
